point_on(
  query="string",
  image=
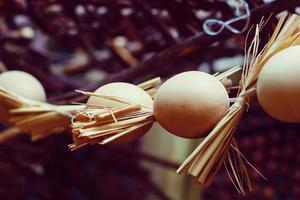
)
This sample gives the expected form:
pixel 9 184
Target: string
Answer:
pixel 242 12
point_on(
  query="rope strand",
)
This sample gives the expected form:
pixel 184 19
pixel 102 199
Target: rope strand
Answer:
pixel 241 6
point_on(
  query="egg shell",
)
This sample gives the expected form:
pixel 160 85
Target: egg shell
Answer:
pixel 278 85
pixel 190 104
pixel 23 84
pixel 128 92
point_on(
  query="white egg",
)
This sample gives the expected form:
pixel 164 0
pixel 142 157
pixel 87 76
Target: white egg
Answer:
pixel 23 84
pixel 190 104
pixel 278 85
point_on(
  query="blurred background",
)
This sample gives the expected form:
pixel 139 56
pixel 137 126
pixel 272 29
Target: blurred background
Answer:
pixel 81 44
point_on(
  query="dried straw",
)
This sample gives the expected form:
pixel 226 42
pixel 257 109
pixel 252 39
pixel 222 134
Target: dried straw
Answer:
pixel 101 125
pixel 219 147
pixel 35 118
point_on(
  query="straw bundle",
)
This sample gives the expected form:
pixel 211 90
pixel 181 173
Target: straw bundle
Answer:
pixel 219 147
pixel 36 118
pixel 101 125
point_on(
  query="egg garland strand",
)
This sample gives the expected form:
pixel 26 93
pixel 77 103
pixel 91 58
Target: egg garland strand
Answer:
pixel 40 119
pixel 220 147
pixel 23 109
pixel 121 112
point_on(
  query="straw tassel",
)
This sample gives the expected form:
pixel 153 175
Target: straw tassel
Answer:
pixel 219 147
pixel 101 125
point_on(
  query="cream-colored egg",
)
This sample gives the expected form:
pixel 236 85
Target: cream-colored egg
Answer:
pixel 23 84
pixel 129 93
pixel 278 85
pixel 126 91
pixel 190 104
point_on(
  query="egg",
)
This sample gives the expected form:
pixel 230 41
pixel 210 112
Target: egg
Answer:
pixel 190 104
pixel 129 93
pixel 23 84
pixel 278 85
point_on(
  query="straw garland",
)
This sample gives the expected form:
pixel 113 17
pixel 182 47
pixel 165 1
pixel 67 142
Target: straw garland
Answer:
pixel 41 119
pixel 219 147
pixel 98 125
